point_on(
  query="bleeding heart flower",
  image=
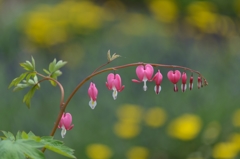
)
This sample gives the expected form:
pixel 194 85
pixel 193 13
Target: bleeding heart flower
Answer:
pixel 92 92
pixel 114 83
pixel 144 73
pixel 65 123
pixel 184 81
pixel 174 77
pixel 158 79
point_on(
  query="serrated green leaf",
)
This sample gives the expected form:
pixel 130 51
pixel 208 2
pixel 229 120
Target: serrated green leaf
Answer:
pixel 52 65
pixel 57 146
pixel 5 133
pixel 33 63
pixel 24 135
pixel 18 136
pixel 17 80
pixel 28 96
pixel 59 65
pixel 9 135
pixel 21 149
pixel 46 71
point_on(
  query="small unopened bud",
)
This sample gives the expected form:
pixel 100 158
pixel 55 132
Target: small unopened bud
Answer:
pixel 191 83
pixel 199 82
pixel 113 57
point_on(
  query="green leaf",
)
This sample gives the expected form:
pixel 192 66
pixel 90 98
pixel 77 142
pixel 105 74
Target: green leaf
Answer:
pixel 18 136
pixel 27 145
pixel 9 135
pixel 33 63
pixel 17 80
pixel 20 149
pixel 59 65
pixel 52 65
pixel 46 71
pixel 27 66
pixel 57 146
pixel 28 96
pixel 24 135
pixel 57 73
pixel 32 74
pixel 21 86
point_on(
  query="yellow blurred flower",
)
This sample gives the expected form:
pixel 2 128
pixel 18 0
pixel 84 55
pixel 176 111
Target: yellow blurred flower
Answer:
pixel 185 127
pixel 50 24
pixel 202 15
pixel 236 6
pixel 98 151
pixel 138 153
pixel 235 138
pixel 155 117
pixel 126 130
pixel 211 132
pixel 236 118
pixel 224 150
pixel 164 10
pixel 130 113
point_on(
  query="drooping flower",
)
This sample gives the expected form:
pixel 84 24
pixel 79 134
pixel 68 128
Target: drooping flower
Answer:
pixel 158 79
pixel 174 77
pixel 184 81
pixel 191 83
pixel 92 92
pixel 144 73
pixel 114 83
pixel 199 82
pixel 65 123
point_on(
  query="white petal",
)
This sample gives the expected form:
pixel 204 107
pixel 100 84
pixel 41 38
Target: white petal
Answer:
pixel 63 132
pixel 115 93
pixel 145 85
pixel 159 89
pixel 185 87
pixel 92 104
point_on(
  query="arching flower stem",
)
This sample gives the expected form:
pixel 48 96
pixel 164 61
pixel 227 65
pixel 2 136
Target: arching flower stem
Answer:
pixel 95 72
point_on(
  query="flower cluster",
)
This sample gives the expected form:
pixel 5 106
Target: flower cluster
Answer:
pixel 144 72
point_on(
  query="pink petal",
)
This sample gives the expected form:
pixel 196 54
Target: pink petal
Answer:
pixel 118 82
pixel 158 78
pixel 174 76
pixel 67 120
pixel 110 79
pixel 149 71
pixel 184 78
pixel 136 81
pixel 140 72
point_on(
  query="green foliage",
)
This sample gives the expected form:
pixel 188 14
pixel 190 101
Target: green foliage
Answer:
pixel 30 79
pixel 53 70
pixel 28 146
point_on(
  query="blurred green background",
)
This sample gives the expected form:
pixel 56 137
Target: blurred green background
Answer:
pixel 202 35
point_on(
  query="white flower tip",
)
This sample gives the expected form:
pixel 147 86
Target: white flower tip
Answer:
pixel 63 132
pixel 183 87
pixel 157 90
pixel 92 104
pixel 115 93
pixel 145 88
